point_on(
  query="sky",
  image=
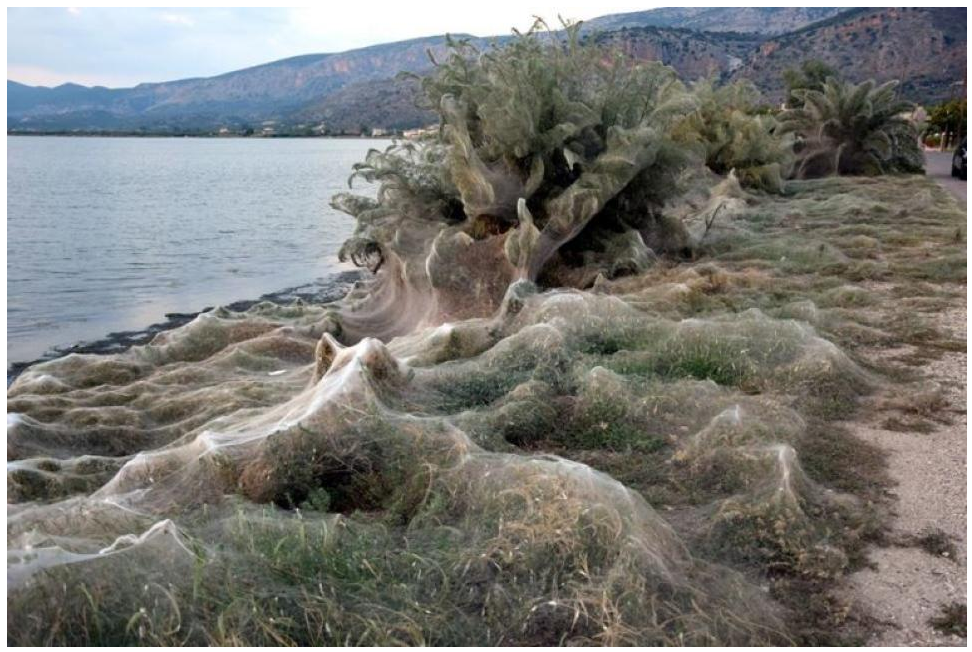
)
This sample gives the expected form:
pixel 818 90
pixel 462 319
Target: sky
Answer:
pixel 118 47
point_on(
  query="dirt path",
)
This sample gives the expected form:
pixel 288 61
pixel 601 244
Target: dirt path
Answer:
pixel 912 579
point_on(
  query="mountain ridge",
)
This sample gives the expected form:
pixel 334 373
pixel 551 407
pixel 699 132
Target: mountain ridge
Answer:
pixel 753 20
pixel 348 91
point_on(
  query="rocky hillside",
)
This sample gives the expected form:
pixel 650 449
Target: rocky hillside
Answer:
pixel 382 103
pixel 346 91
pixel 923 47
pixel 693 54
pixel 745 20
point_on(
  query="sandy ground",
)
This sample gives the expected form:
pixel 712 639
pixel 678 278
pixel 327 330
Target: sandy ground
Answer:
pixel 908 585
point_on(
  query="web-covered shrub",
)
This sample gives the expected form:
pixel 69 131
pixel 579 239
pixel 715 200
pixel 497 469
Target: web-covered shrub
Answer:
pixel 736 138
pixel 544 143
pixel 853 129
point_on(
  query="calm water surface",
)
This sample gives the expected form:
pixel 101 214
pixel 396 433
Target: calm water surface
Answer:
pixel 109 234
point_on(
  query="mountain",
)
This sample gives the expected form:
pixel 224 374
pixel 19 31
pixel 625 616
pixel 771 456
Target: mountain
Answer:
pixel 691 53
pixel 923 47
pixel 268 91
pixel 744 20
pixel 383 103
pixel 349 90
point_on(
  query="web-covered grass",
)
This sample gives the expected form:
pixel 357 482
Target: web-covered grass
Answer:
pixel 658 459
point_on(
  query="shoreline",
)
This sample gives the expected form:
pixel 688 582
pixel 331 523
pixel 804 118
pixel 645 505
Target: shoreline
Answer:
pixel 322 290
pixel 192 134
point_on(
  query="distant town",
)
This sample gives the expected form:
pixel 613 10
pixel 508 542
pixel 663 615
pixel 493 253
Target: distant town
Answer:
pixel 265 129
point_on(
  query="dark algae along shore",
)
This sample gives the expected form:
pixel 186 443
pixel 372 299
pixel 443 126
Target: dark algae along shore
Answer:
pixel 592 391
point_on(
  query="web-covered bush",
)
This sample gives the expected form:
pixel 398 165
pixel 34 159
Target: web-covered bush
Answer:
pixel 853 129
pixel 550 151
pixel 736 138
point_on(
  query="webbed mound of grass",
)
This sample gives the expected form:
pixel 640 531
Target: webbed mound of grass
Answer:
pixel 289 524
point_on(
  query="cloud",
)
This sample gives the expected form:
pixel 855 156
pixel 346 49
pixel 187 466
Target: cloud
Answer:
pixel 74 11
pixel 177 19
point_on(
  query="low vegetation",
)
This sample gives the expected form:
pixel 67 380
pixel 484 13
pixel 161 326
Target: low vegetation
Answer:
pixel 953 619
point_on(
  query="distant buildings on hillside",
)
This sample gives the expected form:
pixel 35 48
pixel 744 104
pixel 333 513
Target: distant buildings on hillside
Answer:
pixel 277 129
pixel 239 129
pixel 421 132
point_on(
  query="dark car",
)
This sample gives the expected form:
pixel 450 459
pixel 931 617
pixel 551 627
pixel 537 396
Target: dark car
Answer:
pixel 959 159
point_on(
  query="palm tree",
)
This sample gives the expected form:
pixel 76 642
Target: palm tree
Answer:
pixel 853 129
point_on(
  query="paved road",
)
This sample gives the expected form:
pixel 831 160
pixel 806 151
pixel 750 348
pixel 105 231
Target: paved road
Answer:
pixel 938 166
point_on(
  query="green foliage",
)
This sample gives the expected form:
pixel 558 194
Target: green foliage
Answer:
pixel 737 138
pixel 812 75
pixel 949 118
pixel 318 500
pixel 413 182
pixel 853 129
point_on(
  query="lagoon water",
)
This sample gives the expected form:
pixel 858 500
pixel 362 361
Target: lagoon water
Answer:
pixel 109 234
